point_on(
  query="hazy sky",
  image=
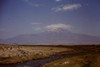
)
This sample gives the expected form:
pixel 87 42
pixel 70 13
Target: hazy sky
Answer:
pixel 36 16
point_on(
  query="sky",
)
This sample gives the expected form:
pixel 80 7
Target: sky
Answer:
pixel 35 16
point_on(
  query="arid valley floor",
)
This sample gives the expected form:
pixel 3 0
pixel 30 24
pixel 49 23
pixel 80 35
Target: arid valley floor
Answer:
pixel 49 55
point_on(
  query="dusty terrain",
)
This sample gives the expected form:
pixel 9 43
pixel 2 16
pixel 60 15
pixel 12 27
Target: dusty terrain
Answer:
pixel 89 58
pixel 14 54
pixel 79 61
pixel 50 56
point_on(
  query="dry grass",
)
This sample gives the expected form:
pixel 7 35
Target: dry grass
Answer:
pixel 14 54
pixel 80 61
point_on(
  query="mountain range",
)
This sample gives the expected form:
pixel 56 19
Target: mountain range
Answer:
pixel 51 37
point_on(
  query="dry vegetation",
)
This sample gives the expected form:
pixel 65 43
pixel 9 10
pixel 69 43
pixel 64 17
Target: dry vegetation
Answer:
pixel 90 57
pixel 87 56
pixel 80 61
pixel 14 54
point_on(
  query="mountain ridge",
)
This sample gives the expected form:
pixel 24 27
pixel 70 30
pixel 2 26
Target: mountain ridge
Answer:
pixel 59 37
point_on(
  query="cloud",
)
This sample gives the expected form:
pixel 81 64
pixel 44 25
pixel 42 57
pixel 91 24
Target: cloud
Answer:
pixel 34 5
pixel 67 7
pixel 51 28
pixel 31 3
pixel 58 0
pixel 37 29
pixel 57 27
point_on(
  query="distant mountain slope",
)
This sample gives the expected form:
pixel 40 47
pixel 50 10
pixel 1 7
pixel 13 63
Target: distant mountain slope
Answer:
pixel 2 41
pixel 59 37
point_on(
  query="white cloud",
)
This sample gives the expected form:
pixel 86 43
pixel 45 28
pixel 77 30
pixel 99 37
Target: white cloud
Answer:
pixel 34 5
pixel 37 29
pixel 57 27
pixel 67 7
pixel 58 0
pixel 31 3
pixel 52 28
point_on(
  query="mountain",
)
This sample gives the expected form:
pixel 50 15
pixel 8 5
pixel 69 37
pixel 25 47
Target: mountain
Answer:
pixel 2 41
pixel 51 37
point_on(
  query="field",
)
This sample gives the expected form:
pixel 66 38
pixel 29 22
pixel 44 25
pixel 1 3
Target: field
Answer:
pixel 89 58
pixel 79 55
pixel 14 54
pixel 79 61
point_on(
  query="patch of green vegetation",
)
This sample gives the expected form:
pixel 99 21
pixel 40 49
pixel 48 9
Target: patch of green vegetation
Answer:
pixel 80 61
